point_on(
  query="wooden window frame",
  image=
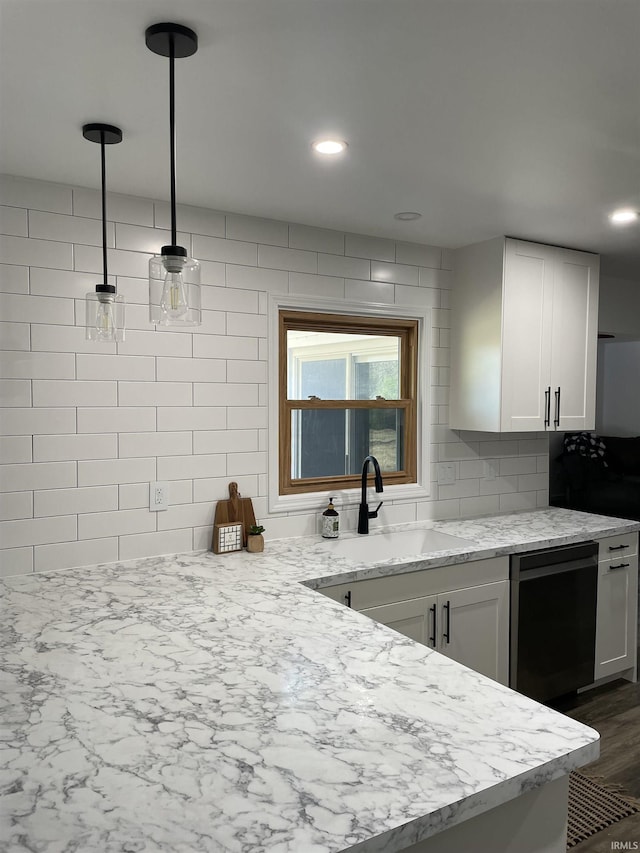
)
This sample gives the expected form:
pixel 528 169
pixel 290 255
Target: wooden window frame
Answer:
pixel 407 330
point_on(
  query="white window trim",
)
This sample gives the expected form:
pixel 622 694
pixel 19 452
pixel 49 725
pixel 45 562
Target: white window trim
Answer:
pixel 348 497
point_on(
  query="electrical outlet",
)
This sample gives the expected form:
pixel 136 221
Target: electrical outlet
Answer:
pixel 158 496
pixel 446 473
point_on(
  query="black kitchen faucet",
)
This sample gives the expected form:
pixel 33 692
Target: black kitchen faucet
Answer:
pixel 364 515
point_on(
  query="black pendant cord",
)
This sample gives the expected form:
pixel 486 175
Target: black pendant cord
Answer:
pixel 103 159
pixel 172 134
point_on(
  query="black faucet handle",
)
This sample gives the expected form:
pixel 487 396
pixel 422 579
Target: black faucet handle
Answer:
pixel 374 514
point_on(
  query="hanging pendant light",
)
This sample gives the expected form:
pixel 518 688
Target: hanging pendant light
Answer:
pixel 104 308
pixel 174 278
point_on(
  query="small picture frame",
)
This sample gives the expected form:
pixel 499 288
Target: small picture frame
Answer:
pixel 228 537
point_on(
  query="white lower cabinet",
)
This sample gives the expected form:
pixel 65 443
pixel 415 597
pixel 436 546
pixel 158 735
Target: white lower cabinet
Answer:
pixel 469 625
pixel 616 620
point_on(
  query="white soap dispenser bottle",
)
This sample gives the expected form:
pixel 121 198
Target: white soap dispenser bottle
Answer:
pixel 330 522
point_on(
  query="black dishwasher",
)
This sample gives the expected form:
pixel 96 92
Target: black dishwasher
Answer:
pixel 553 620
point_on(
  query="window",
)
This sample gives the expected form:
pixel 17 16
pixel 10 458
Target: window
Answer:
pixel 347 388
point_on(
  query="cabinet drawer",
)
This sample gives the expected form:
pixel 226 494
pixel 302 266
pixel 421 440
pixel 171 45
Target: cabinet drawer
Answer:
pixel 619 563
pixel 616 546
pixel 408 585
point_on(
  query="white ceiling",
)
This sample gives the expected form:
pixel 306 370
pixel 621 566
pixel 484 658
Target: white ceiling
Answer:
pixel 490 117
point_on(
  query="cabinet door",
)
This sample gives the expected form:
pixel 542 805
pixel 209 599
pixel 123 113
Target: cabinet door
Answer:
pixel 526 335
pixel 474 628
pixel 574 340
pixel 616 616
pixel 414 618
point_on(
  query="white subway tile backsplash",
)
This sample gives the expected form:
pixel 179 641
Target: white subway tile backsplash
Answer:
pixel 15 505
pixel 294 260
pixel 186 516
pixel 191 370
pixel 518 501
pixel 196 220
pixel 25 421
pixel 108 471
pixel 151 544
pixel 15 336
pixel 435 278
pixel 229 299
pixel 154 444
pixel 398 273
pixel 73 501
pixel 246 371
pixel 154 393
pixel 316 239
pixel 14 279
pixel 177 418
pixel 217 488
pixel 37 365
pixel 61 448
pixel 192 467
pixel 316 285
pixel 335 265
pixel 18 308
pixel 68 555
pixel 156 342
pixel 225 394
pixel 250 325
pixel 483 505
pixel 529 482
pixel 70 339
pixel 115 367
pixel 369 291
pixel 120 419
pixel 15 448
pixel 41 475
pixel 225 346
pixel 194 402
pixel 255 230
pixel 418 255
pixel 120 208
pixel 225 441
pixel 63 392
pixel 37 531
pixel 68 229
pixel 15 393
pixel 361 246
pixel 37 195
pixel 255 278
pixel 16 561
pixel 39 253
pixel 96 525
pixel 424 297
pixel 121 262
pixel 227 251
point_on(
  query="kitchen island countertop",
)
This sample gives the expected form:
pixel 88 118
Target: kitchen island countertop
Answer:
pixel 217 703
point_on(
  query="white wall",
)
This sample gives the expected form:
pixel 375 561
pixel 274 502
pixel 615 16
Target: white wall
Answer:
pixel 618 382
pixel 619 307
pixel 86 427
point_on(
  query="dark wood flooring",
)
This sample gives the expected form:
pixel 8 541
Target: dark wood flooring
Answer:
pixel 614 711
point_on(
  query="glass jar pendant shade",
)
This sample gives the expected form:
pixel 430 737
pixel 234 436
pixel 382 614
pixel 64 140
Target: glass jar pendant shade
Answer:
pixel 174 278
pixel 105 321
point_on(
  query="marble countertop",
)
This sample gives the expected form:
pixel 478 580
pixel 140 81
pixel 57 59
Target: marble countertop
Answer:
pixel 217 703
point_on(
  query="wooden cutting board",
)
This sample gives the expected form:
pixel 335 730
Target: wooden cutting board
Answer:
pixel 236 508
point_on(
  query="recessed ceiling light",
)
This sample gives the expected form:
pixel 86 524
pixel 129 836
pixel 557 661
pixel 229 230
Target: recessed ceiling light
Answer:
pixel 623 216
pixel 329 146
pixel 407 216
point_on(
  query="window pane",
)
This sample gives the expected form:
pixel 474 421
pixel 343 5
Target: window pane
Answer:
pixel 342 366
pixel 334 442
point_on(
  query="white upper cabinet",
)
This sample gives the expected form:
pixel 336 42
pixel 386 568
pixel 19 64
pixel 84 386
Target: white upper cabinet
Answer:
pixel 524 338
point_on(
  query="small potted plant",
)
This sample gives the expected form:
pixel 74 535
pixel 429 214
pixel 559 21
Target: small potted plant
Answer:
pixel 255 539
